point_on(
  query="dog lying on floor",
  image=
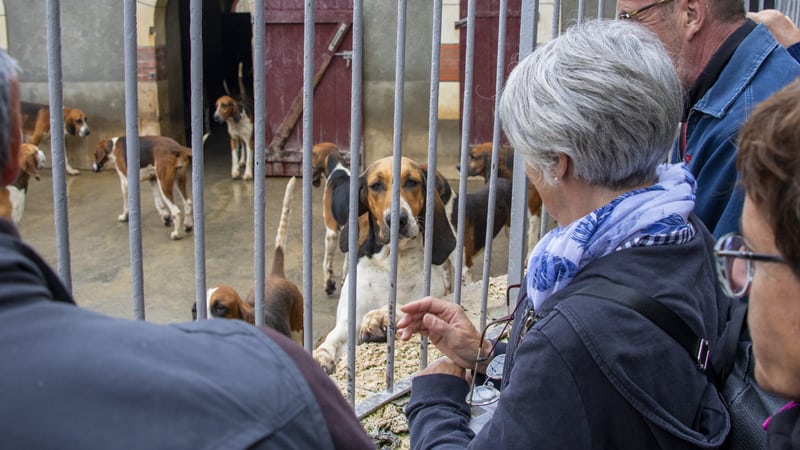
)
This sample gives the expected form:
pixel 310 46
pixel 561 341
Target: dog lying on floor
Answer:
pixel 327 162
pixel 36 125
pixel 165 164
pixel 283 301
pixel 373 281
pixel 31 159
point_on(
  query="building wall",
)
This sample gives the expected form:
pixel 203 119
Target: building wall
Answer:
pixel 92 64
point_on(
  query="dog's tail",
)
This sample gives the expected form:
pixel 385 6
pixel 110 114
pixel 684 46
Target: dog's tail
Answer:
pixel 283 225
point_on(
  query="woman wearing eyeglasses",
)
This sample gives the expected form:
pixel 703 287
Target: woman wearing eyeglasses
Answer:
pixel 594 113
pixel 765 262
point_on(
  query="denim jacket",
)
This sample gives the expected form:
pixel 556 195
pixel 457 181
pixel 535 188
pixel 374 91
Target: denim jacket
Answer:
pixel 758 68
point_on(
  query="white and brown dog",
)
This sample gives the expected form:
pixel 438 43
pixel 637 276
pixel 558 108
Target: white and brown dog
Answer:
pixel 283 301
pixel 36 125
pixel 480 164
pixel 31 159
pixel 165 164
pixel 327 162
pixel 375 201
pixel 240 129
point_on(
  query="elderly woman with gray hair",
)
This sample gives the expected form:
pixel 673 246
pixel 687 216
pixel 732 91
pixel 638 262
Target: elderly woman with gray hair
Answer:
pixel 594 113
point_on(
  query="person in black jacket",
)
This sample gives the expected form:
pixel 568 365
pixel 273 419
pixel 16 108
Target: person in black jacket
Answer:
pixel 764 262
pixel 71 378
pixel 594 113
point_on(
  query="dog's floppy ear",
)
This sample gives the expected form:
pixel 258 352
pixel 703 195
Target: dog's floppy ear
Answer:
pixel 444 241
pixel 29 166
pixel 363 194
pixel 237 112
pixel 70 126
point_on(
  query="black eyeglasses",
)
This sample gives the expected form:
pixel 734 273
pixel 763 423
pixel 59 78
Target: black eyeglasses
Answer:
pixel 734 264
pixel 632 15
pixel 495 331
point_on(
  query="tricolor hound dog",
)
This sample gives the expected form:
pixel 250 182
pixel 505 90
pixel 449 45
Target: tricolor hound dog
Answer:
pixel 31 159
pixel 480 164
pixel 240 129
pixel 373 280
pixel 36 124
pixel 326 161
pixel 283 301
pixel 165 164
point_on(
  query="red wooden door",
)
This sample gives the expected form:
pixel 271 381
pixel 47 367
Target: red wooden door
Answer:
pixel 284 79
pixel 484 74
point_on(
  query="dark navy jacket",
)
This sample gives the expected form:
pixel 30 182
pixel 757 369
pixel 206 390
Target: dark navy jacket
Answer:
pixel 593 374
pixel 74 379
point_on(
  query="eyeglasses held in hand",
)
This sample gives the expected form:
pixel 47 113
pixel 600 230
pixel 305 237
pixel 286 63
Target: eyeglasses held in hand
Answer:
pixel 632 15
pixel 735 266
pixel 495 331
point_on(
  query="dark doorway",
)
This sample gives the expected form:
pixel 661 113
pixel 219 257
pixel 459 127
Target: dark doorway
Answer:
pixel 227 41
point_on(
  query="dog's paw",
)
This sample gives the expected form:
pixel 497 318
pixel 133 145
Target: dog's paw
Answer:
pixel 71 171
pixel 175 235
pixel 325 360
pixel 247 176
pixel 330 287
pixel 235 174
pixel 374 326
pixel 123 217
pixel 187 228
pixel 167 220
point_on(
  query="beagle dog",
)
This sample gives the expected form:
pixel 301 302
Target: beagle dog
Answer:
pixel 165 164
pixel 283 301
pixel 31 159
pixel 36 125
pixel 327 162
pixel 373 280
pixel 476 223
pixel 240 129
pixel 480 164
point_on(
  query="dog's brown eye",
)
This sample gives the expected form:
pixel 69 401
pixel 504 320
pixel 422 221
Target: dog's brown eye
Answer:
pixel 411 184
pixel 377 186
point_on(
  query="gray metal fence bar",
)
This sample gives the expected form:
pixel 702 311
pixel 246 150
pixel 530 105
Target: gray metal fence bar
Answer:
pixel 397 154
pixel 58 150
pixel 355 169
pixel 433 129
pixel 499 77
pixel 132 146
pixel 260 170
pixel 308 137
pixel 581 10
pixel 196 99
pixel 469 66
pixel 601 7
pixel 517 247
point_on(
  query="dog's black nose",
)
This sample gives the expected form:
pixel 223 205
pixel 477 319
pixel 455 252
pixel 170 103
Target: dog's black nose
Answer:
pixel 402 224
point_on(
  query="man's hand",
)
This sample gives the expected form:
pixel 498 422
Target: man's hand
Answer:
pixel 781 26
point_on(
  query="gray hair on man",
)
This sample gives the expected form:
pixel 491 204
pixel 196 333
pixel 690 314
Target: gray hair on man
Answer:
pixel 8 72
pixel 606 94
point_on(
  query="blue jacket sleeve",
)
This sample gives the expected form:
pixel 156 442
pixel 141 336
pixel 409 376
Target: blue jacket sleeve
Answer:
pixel 530 413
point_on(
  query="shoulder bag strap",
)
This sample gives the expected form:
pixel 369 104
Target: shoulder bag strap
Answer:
pixel 656 312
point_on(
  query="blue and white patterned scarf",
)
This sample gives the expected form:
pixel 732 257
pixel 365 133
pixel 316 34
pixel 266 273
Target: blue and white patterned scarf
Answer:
pixel 656 215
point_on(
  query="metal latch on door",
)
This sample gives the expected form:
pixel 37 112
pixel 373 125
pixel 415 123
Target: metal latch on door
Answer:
pixel 347 55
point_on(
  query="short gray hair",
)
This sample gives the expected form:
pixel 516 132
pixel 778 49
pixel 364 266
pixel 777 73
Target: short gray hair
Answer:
pixel 8 72
pixel 606 94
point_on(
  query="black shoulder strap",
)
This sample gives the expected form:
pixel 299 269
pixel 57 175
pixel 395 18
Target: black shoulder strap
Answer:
pixel 656 312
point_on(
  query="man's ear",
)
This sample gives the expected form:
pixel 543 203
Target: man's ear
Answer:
pixel 694 17
pixel 10 170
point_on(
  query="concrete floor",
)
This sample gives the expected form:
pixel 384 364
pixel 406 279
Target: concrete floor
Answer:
pixel 100 253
